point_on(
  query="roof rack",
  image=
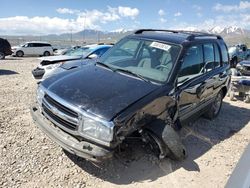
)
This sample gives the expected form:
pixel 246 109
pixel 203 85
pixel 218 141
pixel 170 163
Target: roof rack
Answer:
pixel 164 30
pixel 192 34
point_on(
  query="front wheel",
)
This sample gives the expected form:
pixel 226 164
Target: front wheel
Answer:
pixel 214 109
pixel 19 53
pixel 46 53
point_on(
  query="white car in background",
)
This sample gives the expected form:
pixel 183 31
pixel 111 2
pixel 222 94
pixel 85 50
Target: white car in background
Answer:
pixel 33 48
pixel 49 65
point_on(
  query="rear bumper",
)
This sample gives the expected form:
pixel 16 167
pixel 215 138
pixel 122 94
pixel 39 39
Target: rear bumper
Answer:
pixel 38 73
pixel 82 149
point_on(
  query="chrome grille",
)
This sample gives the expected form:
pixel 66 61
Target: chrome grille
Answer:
pixel 60 114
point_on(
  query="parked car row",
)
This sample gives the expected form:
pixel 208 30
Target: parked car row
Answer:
pixel 147 85
pixel 51 65
pixel 238 53
pixel 33 48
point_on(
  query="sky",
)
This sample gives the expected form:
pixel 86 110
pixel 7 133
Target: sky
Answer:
pixel 33 17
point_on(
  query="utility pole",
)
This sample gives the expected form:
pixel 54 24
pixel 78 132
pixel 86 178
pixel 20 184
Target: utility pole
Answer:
pixel 98 37
pixel 83 32
pixel 71 36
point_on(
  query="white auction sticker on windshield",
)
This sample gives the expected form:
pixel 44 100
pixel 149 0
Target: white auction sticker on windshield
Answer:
pixel 161 46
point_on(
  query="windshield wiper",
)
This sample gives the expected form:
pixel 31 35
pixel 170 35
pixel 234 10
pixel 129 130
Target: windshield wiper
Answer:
pixel 133 74
pixel 104 65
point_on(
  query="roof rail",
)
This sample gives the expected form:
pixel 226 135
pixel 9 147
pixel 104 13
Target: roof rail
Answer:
pixel 163 30
pixel 192 34
pixel 192 37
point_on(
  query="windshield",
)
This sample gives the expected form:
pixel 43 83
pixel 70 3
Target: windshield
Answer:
pixel 79 52
pixel 149 59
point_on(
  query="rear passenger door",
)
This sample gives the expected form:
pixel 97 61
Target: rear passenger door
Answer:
pixel 37 48
pixel 211 68
pixel 194 85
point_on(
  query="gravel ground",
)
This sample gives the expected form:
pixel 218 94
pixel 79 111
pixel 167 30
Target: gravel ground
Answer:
pixel 30 159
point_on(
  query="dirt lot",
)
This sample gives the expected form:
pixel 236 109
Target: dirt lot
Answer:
pixel 30 159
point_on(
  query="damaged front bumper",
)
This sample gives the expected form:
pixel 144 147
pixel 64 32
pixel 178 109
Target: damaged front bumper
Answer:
pixel 82 149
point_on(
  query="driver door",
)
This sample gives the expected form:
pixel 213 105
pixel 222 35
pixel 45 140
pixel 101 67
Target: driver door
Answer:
pixel 192 83
pixel 29 49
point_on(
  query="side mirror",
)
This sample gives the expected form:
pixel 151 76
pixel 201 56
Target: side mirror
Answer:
pixel 93 56
pixel 209 66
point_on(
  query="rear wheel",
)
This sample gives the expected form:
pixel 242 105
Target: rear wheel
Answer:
pixel 46 53
pixel 19 53
pixel 214 110
pixel 2 55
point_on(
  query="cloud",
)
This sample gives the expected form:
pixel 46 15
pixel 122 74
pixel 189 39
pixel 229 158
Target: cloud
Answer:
pixel 128 12
pixel 67 11
pixel 177 14
pixel 163 20
pixel 199 14
pixel 221 21
pixel 91 19
pixel 243 5
pixel 161 12
pixel 20 25
pixel 197 7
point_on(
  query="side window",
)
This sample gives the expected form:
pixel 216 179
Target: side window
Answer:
pixel 224 53
pixel 192 65
pixel 217 56
pixel 99 52
pixel 209 57
pixel 36 45
pixel 46 44
pixel 30 45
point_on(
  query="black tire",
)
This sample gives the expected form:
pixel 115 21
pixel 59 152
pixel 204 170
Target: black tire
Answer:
pixel 46 53
pixel 172 140
pixel 235 61
pixel 156 144
pixel 215 108
pixel 2 55
pixel 19 53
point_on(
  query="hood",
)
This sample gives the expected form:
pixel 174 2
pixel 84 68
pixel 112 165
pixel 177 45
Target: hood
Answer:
pixel 76 63
pixel 55 59
pixel 97 90
pixel 14 47
pixel 245 63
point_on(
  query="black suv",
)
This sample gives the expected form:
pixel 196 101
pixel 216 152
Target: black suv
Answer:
pixel 148 84
pixel 5 48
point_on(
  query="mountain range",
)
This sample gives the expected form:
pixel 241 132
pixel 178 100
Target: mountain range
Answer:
pixel 231 34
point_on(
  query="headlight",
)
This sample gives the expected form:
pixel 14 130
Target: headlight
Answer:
pixel 40 94
pixel 53 66
pixel 96 129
